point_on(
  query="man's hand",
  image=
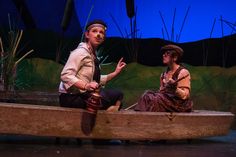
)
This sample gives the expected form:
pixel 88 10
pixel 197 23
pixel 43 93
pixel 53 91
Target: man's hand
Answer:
pixel 120 66
pixel 91 86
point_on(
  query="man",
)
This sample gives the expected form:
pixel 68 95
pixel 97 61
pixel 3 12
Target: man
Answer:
pixel 81 74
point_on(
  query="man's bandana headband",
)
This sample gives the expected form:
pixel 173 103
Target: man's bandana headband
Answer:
pixel 96 25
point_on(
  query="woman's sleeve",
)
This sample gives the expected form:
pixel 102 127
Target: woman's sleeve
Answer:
pixel 184 86
pixel 71 68
pixel 161 81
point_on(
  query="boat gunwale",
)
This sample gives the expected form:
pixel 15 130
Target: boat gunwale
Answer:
pixel 122 112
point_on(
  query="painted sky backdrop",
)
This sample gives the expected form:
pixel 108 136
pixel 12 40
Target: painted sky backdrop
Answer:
pixel 48 14
pixel 197 26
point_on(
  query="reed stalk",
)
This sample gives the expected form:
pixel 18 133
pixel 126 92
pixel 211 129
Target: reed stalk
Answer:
pixel 9 60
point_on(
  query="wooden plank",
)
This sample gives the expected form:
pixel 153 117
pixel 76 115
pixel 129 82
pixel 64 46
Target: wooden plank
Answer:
pixel 66 122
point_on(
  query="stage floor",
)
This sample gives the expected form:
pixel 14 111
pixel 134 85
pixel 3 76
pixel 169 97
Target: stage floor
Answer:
pixel 27 146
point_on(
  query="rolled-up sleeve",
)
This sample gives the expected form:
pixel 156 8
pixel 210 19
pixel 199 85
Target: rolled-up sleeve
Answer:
pixel 184 86
pixel 103 80
pixel 70 70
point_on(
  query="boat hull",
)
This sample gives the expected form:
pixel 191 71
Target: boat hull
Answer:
pixel 54 121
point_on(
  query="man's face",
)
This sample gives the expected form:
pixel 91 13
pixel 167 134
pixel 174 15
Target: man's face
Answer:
pixel 96 35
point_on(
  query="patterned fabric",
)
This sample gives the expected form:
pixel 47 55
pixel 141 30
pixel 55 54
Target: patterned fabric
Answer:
pixel 166 99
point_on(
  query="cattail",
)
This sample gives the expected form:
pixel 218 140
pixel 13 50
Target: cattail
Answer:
pixel 130 8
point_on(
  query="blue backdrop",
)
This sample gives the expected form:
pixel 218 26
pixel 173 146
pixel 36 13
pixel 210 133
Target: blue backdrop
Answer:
pixel 199 21
pixel 198 24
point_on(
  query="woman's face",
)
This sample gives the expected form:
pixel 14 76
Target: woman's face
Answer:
pixel 167 58
pixel 95 36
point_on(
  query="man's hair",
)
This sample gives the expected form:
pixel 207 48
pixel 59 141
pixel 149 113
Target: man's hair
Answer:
pixel 96 21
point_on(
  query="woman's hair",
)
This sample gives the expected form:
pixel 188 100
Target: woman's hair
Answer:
pixel 174 50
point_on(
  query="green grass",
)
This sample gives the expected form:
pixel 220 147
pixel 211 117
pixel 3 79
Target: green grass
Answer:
pixel 213 88
pixel 39 74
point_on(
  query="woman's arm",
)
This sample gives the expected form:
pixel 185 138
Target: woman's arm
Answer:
pixel 182 92
pixel 184 86
pixel 161 82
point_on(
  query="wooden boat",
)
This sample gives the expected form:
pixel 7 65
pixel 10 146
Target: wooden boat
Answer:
pixel 66 122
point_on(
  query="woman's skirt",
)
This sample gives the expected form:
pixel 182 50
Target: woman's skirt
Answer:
pixel 155 101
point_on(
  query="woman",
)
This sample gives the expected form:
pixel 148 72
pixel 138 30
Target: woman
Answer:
pixel 174 92
pixel 81 74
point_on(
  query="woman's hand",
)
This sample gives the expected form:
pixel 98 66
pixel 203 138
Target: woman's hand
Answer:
pixel 120 66
pixel 171 84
